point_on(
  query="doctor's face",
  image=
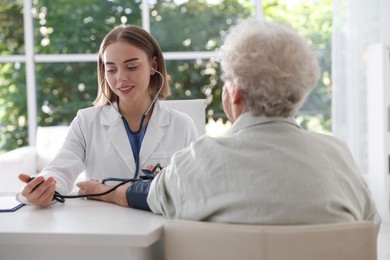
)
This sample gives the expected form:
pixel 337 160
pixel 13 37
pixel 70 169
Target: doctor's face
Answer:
pixel 127 70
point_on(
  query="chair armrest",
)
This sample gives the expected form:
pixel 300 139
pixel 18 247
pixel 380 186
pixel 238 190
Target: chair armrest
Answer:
pixel 12 163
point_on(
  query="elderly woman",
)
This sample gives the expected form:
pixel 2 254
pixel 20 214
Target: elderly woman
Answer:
pixel 267 169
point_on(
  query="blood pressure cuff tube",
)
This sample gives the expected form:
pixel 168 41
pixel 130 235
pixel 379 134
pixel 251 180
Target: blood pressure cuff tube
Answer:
pixel 137 194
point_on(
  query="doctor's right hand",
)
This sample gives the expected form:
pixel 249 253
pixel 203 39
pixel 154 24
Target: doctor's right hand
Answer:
pixel 38 191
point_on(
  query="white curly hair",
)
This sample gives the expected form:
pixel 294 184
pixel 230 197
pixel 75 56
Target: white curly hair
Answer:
pixel 272 65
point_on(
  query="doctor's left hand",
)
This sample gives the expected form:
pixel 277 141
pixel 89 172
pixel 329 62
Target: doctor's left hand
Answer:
pixel 117 196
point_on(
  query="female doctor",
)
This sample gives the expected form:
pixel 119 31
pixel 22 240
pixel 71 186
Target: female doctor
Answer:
pixel 126 130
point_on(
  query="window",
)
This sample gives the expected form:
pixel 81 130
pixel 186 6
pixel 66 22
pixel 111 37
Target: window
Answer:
pixel 46 78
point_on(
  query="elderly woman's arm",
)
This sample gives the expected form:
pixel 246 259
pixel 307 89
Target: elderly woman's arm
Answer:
pixel 129 195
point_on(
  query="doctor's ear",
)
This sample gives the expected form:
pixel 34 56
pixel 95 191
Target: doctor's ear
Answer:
pixel 153 66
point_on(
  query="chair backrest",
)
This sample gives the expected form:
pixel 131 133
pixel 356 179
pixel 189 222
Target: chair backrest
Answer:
pixel 49 140
pixel 192 240
pixel 195 108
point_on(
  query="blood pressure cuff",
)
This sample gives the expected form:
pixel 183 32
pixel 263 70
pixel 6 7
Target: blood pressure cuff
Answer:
pixel 137 194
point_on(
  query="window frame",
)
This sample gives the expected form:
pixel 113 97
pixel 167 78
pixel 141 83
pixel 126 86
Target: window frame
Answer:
pixel 30 58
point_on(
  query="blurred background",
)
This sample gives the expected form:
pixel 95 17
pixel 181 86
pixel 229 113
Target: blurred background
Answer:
pixel 48 52
pixel 48 55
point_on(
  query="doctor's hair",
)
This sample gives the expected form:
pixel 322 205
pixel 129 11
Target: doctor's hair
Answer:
pixel 143 40
pixel 271 64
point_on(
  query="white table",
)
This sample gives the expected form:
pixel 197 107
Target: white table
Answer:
pixel 80 229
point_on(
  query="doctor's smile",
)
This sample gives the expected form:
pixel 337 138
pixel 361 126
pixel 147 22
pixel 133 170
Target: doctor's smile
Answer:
pixel 126 89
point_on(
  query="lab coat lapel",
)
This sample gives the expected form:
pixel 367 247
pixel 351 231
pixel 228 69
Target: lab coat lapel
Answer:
pixel 117 135
pixel 154 133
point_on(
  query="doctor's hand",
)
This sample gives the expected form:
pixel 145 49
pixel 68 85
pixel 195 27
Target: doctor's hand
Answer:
pixel 39 191
pixel 117 196
pixel 155 169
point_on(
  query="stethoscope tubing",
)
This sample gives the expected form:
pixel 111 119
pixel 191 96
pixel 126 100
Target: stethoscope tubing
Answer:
pixel 143 117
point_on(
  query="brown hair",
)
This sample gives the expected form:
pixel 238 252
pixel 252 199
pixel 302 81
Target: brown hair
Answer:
pixel 142 39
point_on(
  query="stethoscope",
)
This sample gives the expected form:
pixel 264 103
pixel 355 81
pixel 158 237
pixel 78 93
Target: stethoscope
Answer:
pixel 138 131
pixel 148 174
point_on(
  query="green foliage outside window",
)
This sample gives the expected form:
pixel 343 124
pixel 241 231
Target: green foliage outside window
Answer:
pixel 66 27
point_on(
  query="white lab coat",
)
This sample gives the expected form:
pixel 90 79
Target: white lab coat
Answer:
pixel 97 143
